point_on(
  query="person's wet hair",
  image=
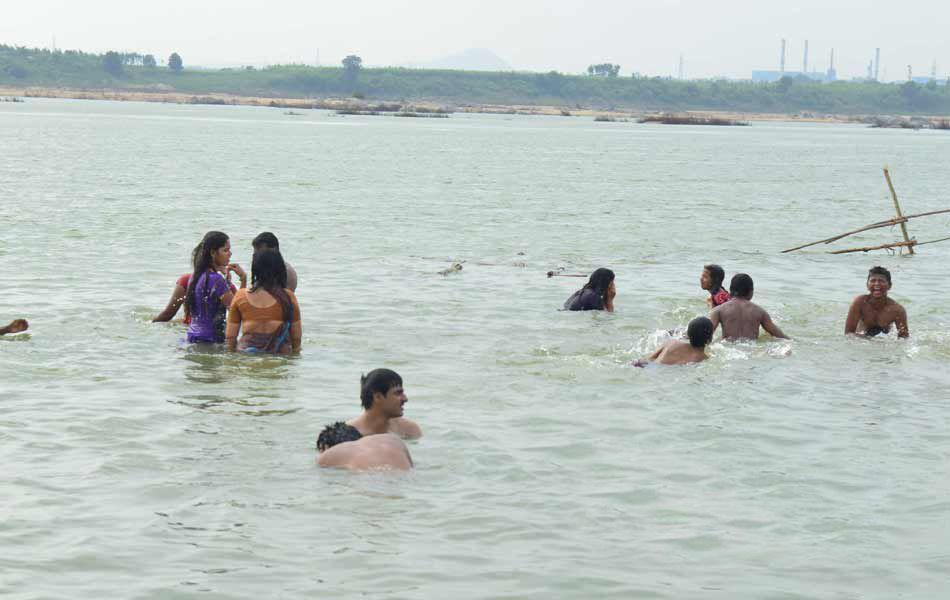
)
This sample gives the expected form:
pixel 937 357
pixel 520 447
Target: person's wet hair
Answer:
pixel 599 281
pixel 700 332
pixel 266 238
pixel 377 380
pixel 880 271
pixel 335 434
pixel 717 274
pixel 202 260
pixel 268 272
pixel 740 286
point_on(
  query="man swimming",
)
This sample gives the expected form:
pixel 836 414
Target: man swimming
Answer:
pixel 268 241
pixel 740 317
pixel 15 326
pixel 676 352
pixel 711 281
pixel 383 397
pixel 874 313
pixel 342 446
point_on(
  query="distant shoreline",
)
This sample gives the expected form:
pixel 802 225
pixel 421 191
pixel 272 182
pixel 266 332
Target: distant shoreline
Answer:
pixel 355 104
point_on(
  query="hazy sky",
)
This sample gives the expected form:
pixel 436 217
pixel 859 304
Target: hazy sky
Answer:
pixel 716 37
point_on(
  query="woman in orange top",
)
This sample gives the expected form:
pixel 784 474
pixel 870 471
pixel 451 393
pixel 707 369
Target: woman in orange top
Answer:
pixel 267 313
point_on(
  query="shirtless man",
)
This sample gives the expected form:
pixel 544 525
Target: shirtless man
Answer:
pixel 874 313
pixel 740 317
pixel 343 446
pixel 676 352
pixel 268 241
pixel 15 326
pixel 382 397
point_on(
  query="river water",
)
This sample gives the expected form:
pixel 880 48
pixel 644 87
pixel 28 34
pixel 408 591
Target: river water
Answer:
pixel 137 468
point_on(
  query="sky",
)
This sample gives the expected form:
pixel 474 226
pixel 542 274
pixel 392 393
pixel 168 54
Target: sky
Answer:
pixel 726 38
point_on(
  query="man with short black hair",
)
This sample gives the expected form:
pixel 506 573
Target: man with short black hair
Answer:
pixel 676 352
pixel 268 241
pixel 383 397
pixel 343 446
pixel 874 313
pixel 740 317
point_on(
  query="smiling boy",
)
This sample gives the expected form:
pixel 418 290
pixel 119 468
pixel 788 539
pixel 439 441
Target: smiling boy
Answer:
pixel 874 313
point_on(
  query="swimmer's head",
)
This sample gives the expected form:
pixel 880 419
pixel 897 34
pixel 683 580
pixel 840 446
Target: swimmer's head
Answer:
pixel 700 332
pixel 881 272
pixel 600 280
pixel 712 278
pixel 266 241
pixel 741 286
pixel 377 381
pixel 335 434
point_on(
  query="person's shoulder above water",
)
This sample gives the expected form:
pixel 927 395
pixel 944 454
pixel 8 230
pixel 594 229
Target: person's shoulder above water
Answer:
pixel 342 446
pixel 597 294
pixel 676 352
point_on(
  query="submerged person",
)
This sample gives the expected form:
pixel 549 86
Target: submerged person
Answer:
pixel 343 446
pixel 874 313
pixel 208 294
pixel 268 241
pixel 597 294
pixel 677 352
pixel 267 314
pixel 740 317
pixel 711 281
pixel 15 326
pixel 383 398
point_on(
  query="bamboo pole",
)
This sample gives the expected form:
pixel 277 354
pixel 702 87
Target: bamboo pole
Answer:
pixel 878 225
pixel 897 207
pixel 908 244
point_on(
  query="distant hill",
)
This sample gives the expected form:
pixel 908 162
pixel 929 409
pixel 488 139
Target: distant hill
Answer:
pixel 473 59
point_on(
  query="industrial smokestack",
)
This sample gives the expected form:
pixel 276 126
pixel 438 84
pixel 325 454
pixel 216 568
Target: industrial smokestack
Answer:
pixel 877 64
pixel 782 61
pixel 805 62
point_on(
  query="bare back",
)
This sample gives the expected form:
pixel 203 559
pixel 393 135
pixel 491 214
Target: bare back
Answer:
pixel 741 319
pixel 381 452
pixel 676 352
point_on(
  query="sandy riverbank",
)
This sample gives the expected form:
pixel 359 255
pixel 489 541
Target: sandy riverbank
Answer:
pixel 391 106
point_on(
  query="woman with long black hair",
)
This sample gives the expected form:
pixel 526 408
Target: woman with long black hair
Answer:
pixel 267 315
pixel 208 293
pixel 597 294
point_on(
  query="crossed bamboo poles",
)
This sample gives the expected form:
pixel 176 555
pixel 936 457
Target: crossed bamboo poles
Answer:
pixel 901 219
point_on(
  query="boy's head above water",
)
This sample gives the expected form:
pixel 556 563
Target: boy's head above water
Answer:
pixel 699 332
pixel 741 286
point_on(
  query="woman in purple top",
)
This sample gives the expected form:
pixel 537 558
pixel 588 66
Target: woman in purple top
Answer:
pixel 208 295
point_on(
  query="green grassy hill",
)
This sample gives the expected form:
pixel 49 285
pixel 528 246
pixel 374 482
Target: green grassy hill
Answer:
pixel 73 69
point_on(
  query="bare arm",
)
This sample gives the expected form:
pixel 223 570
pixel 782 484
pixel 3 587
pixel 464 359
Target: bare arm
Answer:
pixel 771 327
pixel 714 317
pixel 174 303
pixel 231 333
pixel 901 320
pixel 854 316
pixel 296 335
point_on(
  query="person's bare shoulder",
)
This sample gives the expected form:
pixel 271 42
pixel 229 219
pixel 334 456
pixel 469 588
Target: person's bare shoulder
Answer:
pixel 337 456
pixel 405 428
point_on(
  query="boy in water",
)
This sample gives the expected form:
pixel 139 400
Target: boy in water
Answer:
pixel 342 446
pixel 711 281
pixel 383 397
pixel 874 312
pixel 268 241
pixel 676 352
pixel 15 326
pixel 740 317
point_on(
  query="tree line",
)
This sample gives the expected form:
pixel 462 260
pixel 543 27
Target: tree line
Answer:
pixel 601 88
